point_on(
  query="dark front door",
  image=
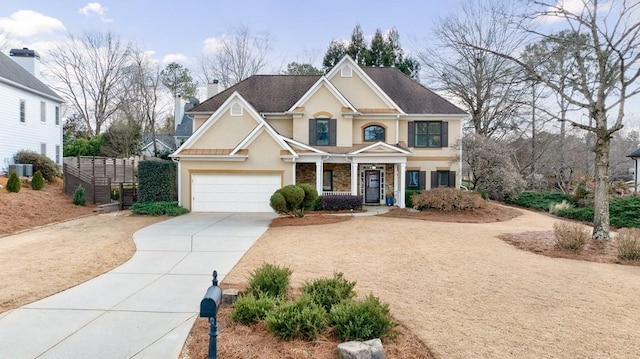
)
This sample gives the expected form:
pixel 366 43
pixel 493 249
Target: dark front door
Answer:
pixel 372 186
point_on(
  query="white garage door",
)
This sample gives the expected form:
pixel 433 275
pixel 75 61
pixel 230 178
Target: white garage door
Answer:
pixel 233 192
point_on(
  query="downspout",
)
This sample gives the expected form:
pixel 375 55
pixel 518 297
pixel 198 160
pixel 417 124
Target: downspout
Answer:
pixel 397 129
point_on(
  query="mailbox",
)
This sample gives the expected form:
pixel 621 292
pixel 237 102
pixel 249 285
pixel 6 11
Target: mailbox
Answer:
pixel 211 302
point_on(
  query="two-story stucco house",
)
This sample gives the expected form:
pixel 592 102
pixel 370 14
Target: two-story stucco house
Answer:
pixel 370 132
pixel 29 110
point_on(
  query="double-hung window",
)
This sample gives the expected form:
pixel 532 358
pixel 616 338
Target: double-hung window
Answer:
pixel 22 111
pixel 322 132
pixel 427 134
pixel 43 111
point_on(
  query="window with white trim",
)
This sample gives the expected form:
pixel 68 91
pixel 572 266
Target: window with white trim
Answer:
pixel 22 111
pixel 43 111
pixel 57 115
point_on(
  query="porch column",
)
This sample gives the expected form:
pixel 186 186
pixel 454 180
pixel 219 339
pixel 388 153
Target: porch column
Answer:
pixel 403 170
pixel 354 178
pixel 319 176
pixel 396 179
pixel 293 173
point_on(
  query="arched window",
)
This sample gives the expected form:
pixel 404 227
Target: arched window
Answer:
pixel 373 133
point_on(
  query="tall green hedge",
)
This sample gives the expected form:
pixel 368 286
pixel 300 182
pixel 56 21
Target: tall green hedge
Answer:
pixel 157 181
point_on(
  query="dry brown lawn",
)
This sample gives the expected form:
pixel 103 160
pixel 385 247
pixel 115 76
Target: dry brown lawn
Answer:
pixel 460 289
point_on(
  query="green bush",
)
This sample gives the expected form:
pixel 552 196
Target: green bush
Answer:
pixel 278 203
pixel 80 196
pixel 570 236
pixel 42 163
pixel 447 199
pixel 539 200
pixel 270 280
pixel 328 292
pixel 301 319
pixel 625 212
pixel 629 244
pixel 37 182
pixel 584 214
pixel 249 310
pixel 115 194
pixel 159 209
pixel 361 320
pixel 310 195
pixel 13 184
pixel 157 181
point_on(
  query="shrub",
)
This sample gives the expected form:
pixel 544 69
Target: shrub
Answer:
pixel 42 163
pixel 584 214
pixel 361 320
pixel 327 292
pixel 278 203
pixel 310 195
pixel 301 319
pixel 157 181
pixel 539 200
pixel 447 199
pixel 115 194
pixel 624 212
pixel 80 196
pixel 249 310
pixel 270 280
pixel 554 208
pixel 408 194
pixel 629 244
pixel 37 182
pixel 570 236
pixel 13 184
pixel 341 203
pixel 293 195
pixel 158 209
pixel 317 204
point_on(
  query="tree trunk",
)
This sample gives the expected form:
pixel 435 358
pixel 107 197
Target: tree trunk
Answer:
pixel 601 194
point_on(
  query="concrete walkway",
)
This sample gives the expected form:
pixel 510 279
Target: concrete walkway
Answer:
pixel 144 308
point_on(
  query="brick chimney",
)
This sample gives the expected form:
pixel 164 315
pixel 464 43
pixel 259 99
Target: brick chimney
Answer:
pixel 28 59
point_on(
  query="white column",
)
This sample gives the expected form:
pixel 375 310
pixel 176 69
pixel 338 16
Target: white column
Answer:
pixel 319 170
pixel 396 180
pixel 293 173
pixel 354 178
pixel 180 184
pixel 403 170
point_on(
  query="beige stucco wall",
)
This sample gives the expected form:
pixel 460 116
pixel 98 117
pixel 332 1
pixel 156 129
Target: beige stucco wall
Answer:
pixel 357 91
pixel 283 126
pixel 264 157
pixel 227 132
pixel 325 103
pixel 198 120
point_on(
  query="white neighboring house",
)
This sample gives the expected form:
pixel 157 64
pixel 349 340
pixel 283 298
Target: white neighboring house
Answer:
pixel 30 115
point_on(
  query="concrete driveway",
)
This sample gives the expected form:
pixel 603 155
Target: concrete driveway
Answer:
pixel 144 308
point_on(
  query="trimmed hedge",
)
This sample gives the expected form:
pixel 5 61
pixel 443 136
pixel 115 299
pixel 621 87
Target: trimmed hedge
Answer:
pixel 157 181
pixel 539 200
pixel 42 163
pixel 171 209
pixel 408 197
pixel 339 203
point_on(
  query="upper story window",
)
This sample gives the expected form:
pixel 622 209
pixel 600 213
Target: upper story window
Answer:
pixel 428 134
pixel 22 111
pixel 374 133
pixel 57 115
pixel 43 111
pixel 322 131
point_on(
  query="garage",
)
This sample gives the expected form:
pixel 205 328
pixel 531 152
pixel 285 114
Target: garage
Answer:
pixel 229 192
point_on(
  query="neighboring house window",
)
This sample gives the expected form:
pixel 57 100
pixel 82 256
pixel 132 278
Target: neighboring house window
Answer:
pixel 57 153
pixel 374 133
pixel 57 115
pixel 43 111
pixel 415 180
pixel 322 131
pixel 327 180
pixel 428 134
pixel 443 179
pixel 236 110
pixel 43 149
pixel 22 111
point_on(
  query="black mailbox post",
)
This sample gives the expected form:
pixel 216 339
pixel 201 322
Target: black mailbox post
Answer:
pixel 209 309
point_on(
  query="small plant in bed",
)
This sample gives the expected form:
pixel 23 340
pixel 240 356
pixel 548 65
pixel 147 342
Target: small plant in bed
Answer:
pixel 447 199
pixel 159 209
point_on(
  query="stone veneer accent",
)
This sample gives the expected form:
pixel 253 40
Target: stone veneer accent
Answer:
pixel 306 173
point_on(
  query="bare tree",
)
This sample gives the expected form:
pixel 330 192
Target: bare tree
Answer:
pixel 603 85
pixel 88 71
pixel 242 53
pixel 489 86
pixel 141 96
pixel 5 41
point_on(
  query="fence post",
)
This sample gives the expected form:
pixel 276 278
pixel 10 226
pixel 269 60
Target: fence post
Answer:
pixel 121 196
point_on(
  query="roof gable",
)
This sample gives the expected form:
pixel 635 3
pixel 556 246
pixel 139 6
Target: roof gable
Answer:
pixel 13 74
pixel 323 82
pixel 262 126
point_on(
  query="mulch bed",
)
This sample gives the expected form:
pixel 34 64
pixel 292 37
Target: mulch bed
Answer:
pixel 308 220
pixel 491 213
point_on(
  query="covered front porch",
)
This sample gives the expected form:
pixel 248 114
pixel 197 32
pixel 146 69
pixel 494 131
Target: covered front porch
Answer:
pixel 373 179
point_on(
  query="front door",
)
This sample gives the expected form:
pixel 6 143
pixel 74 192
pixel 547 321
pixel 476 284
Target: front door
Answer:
pixel 372 186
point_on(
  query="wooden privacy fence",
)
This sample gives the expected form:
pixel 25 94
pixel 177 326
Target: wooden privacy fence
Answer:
pixel 98 174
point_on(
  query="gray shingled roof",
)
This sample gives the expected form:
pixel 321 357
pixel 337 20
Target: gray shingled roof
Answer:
pixel 266 93
pixel 411 96
pixel 11 71
pixel 635 154
pixel 277 93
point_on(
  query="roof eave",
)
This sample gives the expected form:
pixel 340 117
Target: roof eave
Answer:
pixel 29 89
